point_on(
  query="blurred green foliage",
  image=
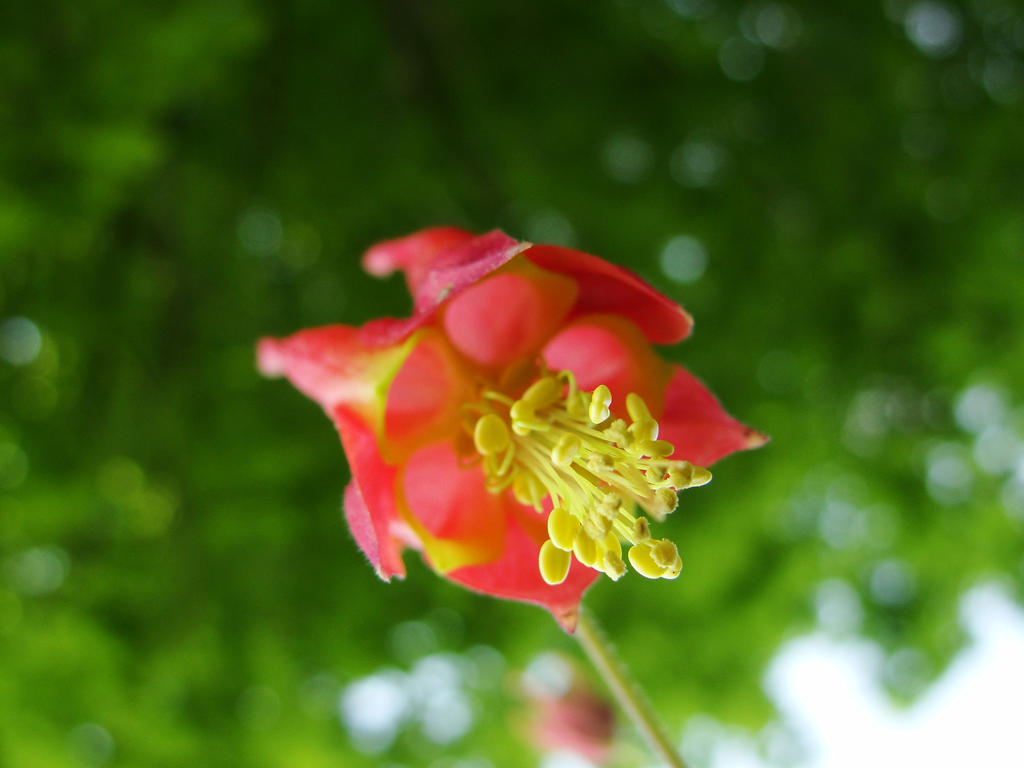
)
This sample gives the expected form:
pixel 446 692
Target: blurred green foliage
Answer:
pixel 180 178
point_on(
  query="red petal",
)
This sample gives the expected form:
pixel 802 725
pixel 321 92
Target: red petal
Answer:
pixel 409 393
pixel 515 576
pixel 332 365
pixel 509 315
pixel 369 499
pixel 424 398
pixel 444 264
pixel 695 423
pixel 350 381
pixel 449 507
pixel 606 288
pixel 414 254
pixel 360 524
pixel 609 350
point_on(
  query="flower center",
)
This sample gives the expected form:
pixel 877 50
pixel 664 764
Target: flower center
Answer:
pixel 560 443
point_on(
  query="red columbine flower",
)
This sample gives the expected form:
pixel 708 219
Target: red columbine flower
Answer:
pixel 518 428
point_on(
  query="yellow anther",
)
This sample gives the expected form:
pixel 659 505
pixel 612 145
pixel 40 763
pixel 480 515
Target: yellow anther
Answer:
pixel 644 430
pixel 611 544
pixel 664 553
pixel 585 549
pixel 522 411
pixel 597 526
pixel 680 474
pixel 490 434
pixel 654 448
pixel 543 392
pixel 667 498
pixel 683 475
pixel 673 570
pixel 528 490
pixel 701 476
pixel 636 407
pixel 618 434
pixel 600 401
pixel 525 419
pixel 577 405
pixel 665 503
pixel 642 561
pixel 614 566
pixel 598 463
pixel 554 563
pixel 606 513
pixel 562 528
pixel 641 530
pixel 567 449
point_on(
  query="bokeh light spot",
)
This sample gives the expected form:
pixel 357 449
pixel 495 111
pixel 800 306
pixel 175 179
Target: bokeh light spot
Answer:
pixel 372 710
pixel 91 744
pixel 998 449
pixel 547 676
pixel 697 163
pixel 260 231
pixel 13 466
pixel 627 158
pixel 906 671
pixel 411 640
pixel 563 758
pixel 740 59
pixel 20 340
pixel 37 570
pixel 550 226
pixel 692 9
pixel 934 27
pixel 838 607
pixel 979 407
pixel 892 582
pixel 1012 495
pixel 446 716
pixel 443 710
pixel 684 259
pixel 842 525
pixel 1003 79
pixel 486 666
pixel 949 474
pixel 776 25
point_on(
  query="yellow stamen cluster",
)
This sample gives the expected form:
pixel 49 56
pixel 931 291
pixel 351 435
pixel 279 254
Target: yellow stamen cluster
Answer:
pixel 560 443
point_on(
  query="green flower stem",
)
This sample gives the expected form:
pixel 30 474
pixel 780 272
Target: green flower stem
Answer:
pixel 626 692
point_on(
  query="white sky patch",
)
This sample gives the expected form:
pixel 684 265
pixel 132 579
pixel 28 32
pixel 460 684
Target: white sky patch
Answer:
pixel 828 691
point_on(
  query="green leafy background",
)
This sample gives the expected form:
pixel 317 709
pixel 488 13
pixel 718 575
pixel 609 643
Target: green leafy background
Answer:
pixel 179 178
